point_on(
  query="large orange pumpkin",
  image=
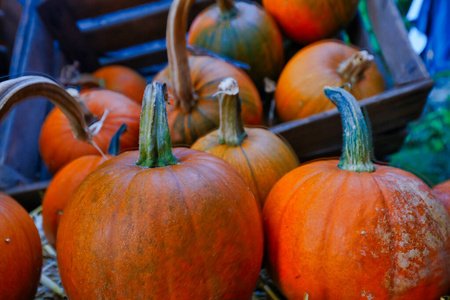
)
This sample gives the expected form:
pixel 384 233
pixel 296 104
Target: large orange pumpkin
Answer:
pixel 161 224
pixel 259 155
pixel 192 83
pixel 20 252
pixel 57 144
pixel 307 21
pixel 329 62
pixel 350 229
pixel 123 80
pixel 243 31
pixel 64 183
pixel 442 191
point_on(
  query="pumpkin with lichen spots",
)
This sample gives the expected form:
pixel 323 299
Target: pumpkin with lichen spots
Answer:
pixel 442 191
pixel 350 229
pixel 160 223
pixel 20 251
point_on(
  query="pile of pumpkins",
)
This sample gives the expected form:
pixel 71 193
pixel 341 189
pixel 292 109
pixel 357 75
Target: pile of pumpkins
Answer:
pixel 149 221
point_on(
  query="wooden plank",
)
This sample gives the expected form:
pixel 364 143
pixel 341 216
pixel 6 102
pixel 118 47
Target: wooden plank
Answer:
pixel 61 24
pixel 321 135
pixel 132 26
pixel 404 65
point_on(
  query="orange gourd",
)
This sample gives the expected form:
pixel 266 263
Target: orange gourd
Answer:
pixel 260 156
pixel 351 229
pixel 160 223
pixel 307 21
pixel 193 81
pixel 328 62
pixel 64 183
pixel 442 191
pixel 20 252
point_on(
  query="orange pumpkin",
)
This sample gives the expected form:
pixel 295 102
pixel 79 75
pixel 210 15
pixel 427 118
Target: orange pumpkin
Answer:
pixel 350 229
pixel 329 62
pixel 307 21
pixel 160 223
pixel 192 83
pixel 442 191
pixel 64 183
pixel 57 144
pixel 243 31
pixel 20 251
pixel 123 80
pixel 260 156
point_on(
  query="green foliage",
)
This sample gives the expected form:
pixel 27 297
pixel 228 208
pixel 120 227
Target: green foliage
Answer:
pixel 426 150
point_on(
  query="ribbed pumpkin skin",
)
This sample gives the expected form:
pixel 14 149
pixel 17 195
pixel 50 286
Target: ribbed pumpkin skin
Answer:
pixel 251 36
pixel 299 91
pixel 58 145
pixel 20 252
pixel 206 74
pixel 187 231
pixel 442 191
pixel 307 21
pixel 60 190
pixel 345 235
pixel 123 80
pixel 262 158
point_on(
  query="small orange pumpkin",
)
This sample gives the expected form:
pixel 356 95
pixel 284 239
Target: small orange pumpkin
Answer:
pixel 260 156
pixel 20 251
pixel 329 62
pixel 442 191
pixel 350 229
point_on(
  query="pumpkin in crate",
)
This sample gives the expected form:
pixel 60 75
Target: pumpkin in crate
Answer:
pixel 243 31
pixel 161 223
pixel 307 21
pixel 66 180
pixel 328 62
pixel 20 251
pixel 193 108
pixel 442 191
pixel 259 155
pixel 350 229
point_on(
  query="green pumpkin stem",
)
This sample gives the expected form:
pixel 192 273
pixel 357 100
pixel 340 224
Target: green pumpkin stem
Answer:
pixel 14 91
pixel 353 68
pixel 231 129
pixel 225 6
pixel 114 144
pixel 356 150
pixel 155 144
pixel 180 74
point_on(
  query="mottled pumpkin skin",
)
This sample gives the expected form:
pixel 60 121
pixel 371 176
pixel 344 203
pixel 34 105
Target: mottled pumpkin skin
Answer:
pixel 262 158
pixel 188 231
pixel 61 188
pixel 206 74
pixel 57 144
pixel 345 235
pixel 442 191
pixel 307 21
pixel 20 252
pixel 248 34
pixel 123 80
pixel 299 93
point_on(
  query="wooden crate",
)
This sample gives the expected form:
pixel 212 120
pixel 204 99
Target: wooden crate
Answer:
pixel 131 32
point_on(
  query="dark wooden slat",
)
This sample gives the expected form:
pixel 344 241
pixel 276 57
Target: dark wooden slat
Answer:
pixel 321 135
pixel 404 65
pixel 61 24
pixel 134 26
pixel 12 11
pixel 30 195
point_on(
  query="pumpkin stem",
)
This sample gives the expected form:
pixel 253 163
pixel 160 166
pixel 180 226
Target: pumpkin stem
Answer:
pixel 114 144
pixel 231 129
pixel 353 68
pixel 356 150
pixel 14 91
pixel 226 7
pixel 180 74
pixel 155 145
